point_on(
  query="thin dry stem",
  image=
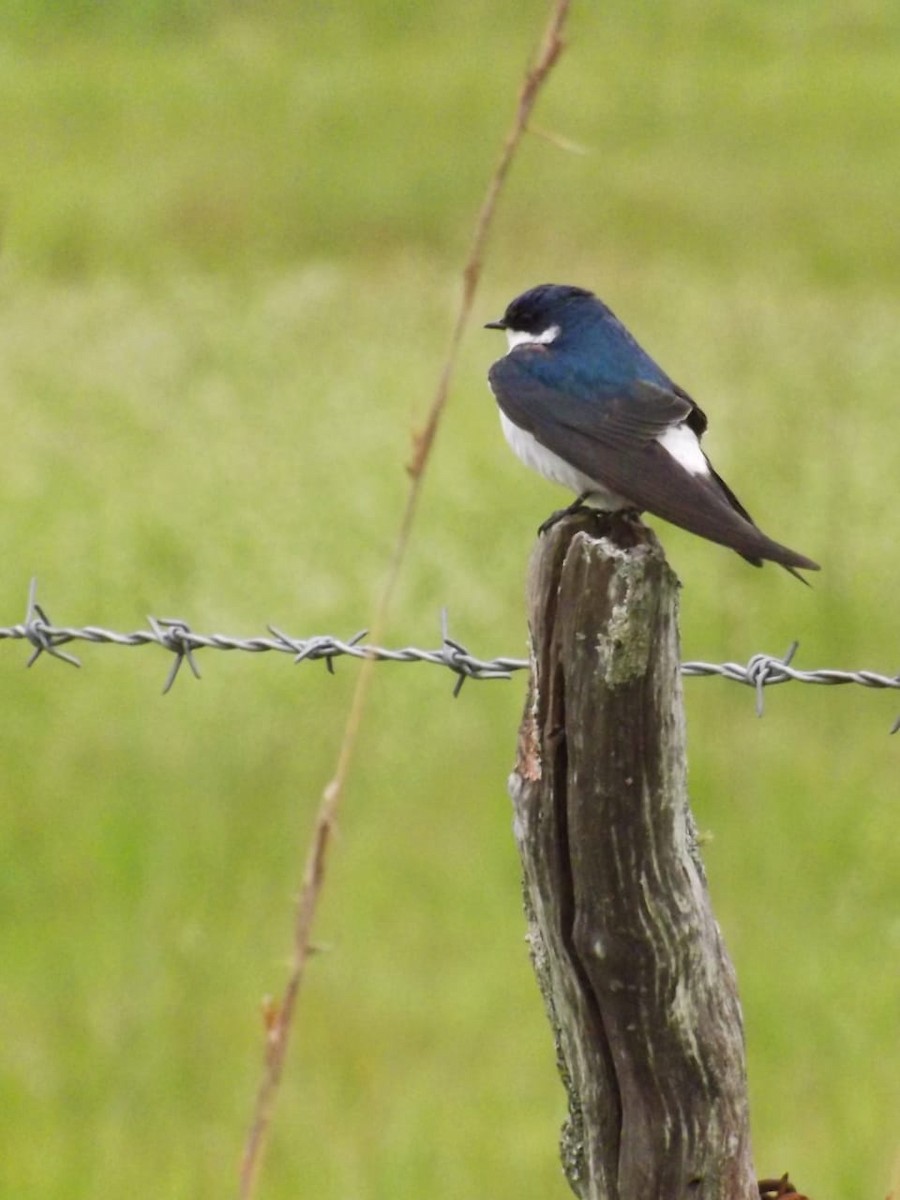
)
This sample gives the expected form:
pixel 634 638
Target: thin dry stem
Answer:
pixel 280 1017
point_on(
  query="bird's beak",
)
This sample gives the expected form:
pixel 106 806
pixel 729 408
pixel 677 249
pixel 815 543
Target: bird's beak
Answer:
pixel 501 324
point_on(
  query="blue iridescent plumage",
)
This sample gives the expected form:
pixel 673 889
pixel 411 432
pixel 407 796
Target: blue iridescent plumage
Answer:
pixel 583 403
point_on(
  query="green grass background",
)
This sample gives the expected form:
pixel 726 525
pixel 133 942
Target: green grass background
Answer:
pixel 231 243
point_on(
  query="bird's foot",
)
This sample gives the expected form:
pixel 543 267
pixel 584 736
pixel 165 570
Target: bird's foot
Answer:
pixel 577 506
pixel 597 511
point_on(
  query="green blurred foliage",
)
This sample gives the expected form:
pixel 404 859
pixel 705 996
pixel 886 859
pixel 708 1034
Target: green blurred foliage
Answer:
pixel 231 243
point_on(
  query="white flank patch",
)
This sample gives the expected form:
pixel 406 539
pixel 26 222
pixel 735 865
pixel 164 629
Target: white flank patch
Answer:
pixel 516 337
pixel 526 447
pixel 683 444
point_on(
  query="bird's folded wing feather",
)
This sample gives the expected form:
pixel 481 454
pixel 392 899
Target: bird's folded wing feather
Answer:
pixel 638 411
pixel 610 436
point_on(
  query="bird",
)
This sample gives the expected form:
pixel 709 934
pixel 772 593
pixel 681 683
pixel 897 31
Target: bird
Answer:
pixel 582 403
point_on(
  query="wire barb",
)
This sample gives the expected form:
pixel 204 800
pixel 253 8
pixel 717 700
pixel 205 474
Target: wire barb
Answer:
pixel 763 669
pixel 38 629
pixel 176 636
pixel 455 656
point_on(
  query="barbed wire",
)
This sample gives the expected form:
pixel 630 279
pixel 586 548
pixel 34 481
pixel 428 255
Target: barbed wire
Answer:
pixel 176 636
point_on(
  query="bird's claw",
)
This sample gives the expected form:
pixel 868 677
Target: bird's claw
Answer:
pixel 577 506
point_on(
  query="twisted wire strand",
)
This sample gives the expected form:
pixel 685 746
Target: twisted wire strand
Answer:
pixel 175 635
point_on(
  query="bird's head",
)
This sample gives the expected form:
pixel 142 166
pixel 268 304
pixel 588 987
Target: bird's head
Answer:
pixel 542 313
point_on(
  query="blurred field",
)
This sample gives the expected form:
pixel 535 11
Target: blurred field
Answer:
pixel 230 258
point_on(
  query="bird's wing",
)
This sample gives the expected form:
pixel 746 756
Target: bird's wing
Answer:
pixel 620 416
pixel 611 438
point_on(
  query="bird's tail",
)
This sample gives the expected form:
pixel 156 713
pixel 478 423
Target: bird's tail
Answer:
pixel 761 547
pixel 756 547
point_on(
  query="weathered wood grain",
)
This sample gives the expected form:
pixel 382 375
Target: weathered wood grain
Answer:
pixel 639 988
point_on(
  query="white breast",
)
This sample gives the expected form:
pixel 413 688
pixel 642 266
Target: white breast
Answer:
pixel 552 467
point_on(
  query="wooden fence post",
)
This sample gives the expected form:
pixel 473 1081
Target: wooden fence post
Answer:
pixel 638 986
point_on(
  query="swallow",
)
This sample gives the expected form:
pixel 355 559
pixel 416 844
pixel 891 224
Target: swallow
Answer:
pixel 582 403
